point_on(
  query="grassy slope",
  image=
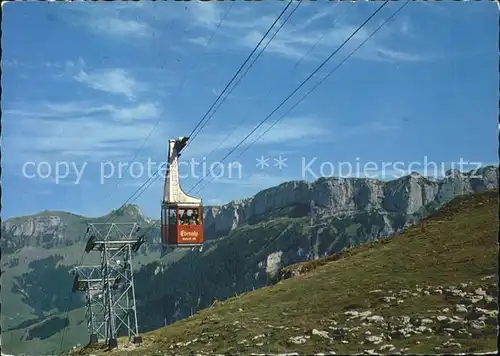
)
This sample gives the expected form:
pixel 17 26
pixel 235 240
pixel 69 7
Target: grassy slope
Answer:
pixel 15 310
pixel 456 245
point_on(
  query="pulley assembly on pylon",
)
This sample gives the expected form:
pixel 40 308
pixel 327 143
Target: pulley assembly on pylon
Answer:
pixel 181 214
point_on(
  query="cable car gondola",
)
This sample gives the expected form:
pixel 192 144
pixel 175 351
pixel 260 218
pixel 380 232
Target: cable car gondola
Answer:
pixel 181 214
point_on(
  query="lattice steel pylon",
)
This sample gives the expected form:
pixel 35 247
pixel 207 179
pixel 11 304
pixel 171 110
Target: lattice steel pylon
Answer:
pixel 88 279
pixel 116 248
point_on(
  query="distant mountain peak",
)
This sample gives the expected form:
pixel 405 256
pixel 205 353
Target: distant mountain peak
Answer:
pixel 131 210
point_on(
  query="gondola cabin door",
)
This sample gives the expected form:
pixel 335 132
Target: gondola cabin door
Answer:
pixel 181 225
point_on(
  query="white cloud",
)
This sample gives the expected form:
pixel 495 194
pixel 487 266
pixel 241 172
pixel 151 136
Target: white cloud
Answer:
pixel 289 131
pixel 295 44
pixel 141 111
pixel 287 46
pixel 200 41
pixel 370 128
pixel 118 20
pixel 400 56
pixel 79 130
pixel 69 110
pixel 319 15
pixel 10 62
pixel 245 25
pixel 303 30
pixel 82 139
pixel 293 132
pixel 116 27
pixel 205 13
pixel 116 81
pixel 292 129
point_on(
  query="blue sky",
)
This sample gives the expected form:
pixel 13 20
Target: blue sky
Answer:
pixel 84 84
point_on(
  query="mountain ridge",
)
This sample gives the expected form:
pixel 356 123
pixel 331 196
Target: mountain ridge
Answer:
pixel 326 197
pixel 418 292
pixel 243 250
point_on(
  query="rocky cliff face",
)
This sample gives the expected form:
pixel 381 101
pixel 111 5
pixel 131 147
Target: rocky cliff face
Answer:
pixel 37 225
pixel 50 229
pixel 324 198
pixel 330 197
pixel 40 230
pixel 249 241
pixel 293 222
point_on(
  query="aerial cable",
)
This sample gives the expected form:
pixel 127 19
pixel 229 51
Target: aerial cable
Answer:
pixel 176 93
pixel 307 94
pixel 239 70
pixel 318 83
pixel 140 149
pixel 265 35
pixel 248 68
pixel 236 74
pixel 296 89
pixel 271 88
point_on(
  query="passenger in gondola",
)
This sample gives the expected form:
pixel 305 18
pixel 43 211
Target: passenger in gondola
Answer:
pixel 182 217
pixel 189 216
pixel 186 217
pixel 196 217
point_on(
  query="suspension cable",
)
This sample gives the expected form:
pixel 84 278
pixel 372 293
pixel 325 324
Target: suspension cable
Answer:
pixel 176 93
pixel 236 74
pixel 316 85
pixel 296 89
pixel 138 192
pixel 271 88
pixel 248 68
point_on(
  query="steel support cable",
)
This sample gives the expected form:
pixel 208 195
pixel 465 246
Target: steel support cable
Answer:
pixel 236 84
pixel 271 88
pixel 297 89
pixel 239 70
pixel 176 93
pixel 236 74
pixel 248 68
pixel 318 83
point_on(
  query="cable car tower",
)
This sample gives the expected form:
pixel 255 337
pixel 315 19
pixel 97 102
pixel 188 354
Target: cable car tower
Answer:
pixel 181 214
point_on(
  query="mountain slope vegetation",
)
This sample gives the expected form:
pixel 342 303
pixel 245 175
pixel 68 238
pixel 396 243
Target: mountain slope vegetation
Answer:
pixel 248 242
pixel 431 288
